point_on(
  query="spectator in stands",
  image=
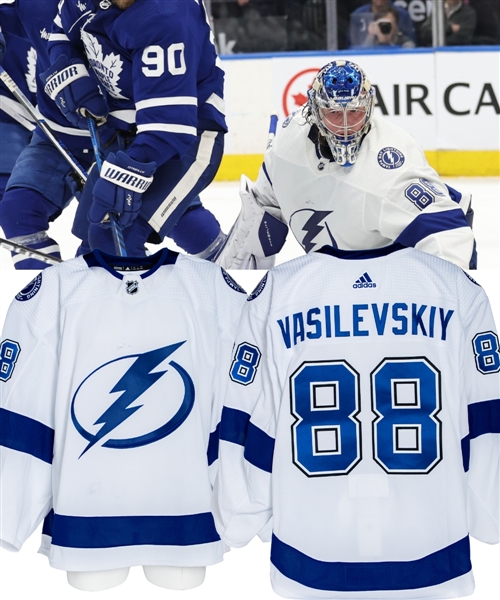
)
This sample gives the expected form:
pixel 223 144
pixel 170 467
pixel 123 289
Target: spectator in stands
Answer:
pixel 384 30
pixel 460 24
pixel 364 15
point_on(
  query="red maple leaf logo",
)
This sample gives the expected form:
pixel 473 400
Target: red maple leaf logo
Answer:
pixel 299 99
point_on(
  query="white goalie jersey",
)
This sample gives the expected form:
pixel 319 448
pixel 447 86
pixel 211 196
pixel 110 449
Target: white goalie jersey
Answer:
pixel 390 194
pixel 111 396
pixel 363 417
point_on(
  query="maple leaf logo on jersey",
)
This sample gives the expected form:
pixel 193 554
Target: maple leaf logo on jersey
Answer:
pixel 107 68
pixel 31 70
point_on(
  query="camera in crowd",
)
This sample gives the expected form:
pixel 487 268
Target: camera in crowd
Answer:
pixel 385 27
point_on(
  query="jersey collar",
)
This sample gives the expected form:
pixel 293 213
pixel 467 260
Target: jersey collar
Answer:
pixel 129 264
pixel 361 254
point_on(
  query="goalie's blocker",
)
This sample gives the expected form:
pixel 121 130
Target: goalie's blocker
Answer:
pixel 256 236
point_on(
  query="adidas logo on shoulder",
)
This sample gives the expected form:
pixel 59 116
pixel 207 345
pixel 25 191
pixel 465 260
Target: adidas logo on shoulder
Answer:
pixel 365 281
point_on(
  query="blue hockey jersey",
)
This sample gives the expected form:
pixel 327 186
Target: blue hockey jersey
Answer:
pixel 158 64
pixel 20 63
pixel 25 18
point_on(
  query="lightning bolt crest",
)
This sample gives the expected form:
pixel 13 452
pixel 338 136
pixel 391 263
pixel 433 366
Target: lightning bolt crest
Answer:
pixel 313 228
pixel 137 380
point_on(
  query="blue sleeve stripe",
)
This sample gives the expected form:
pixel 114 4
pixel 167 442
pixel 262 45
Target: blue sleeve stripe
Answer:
pixel 466 452
pixel 213 446
pixel 234 426
pixel 26 435
pixel 484 417
pixel 259 448
pixel 438 567
pixel 112 532
pixel 428 223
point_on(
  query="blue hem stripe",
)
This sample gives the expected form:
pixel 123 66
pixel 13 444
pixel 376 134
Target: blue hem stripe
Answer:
pixel 112 532
pixel 234 425
pixel 259 448
pixel 438 567
pixel 26 435
pixel 484 417
pixel 428 223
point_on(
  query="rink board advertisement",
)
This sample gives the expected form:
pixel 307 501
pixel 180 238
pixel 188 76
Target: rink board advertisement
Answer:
pixel 449 100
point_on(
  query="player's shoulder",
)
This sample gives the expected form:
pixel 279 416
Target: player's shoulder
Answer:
pixel 386 132
pixel 389 148
pixel 145 23
pixel 208 274
pixel 49 290
pixel 278 283
pixel 441 277
pixel 291 134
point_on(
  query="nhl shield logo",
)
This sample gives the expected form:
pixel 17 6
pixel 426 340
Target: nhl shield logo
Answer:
pixel 132 287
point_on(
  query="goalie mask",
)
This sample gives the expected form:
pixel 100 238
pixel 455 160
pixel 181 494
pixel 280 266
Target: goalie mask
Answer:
pixel 340 104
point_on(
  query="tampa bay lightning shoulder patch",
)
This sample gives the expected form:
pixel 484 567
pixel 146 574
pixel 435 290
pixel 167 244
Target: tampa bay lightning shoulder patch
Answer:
pixel 31 289
pixel 259 289
pixel 231 282
pixel 390 158
pixel 286 122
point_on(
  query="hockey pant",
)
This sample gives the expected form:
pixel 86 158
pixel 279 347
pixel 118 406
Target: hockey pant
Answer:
pixel 14 138
pixel 40 187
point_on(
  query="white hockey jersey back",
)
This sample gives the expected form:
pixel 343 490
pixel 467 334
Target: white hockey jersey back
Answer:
pixel 363 415
pixel 110 404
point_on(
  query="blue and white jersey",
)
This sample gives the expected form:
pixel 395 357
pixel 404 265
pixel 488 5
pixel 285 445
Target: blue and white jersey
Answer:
pixel 34 21
pixel 363 415
pixel 158 65
pixel 111 392
pixel 20 63
pixel 391 194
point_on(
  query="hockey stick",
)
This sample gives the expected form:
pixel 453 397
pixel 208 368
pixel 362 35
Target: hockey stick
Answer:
pixel 116 230
pixel 29 252
pixel 273 125
pixel 18 94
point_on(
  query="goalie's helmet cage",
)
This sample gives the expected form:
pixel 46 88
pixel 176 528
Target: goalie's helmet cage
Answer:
pixel 340 104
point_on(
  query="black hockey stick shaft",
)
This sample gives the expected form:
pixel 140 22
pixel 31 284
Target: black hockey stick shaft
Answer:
pixel 116 230
pixel 30 252
pixel 18 94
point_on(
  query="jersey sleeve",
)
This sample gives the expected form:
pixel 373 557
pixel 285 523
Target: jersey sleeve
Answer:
pixel 65 33
pixel 242 495
pixel 481 445
pixel 230 301
pixel 419 212
pixel 28 367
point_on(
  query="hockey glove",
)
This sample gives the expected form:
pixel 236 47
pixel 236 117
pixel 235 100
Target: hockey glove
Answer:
pixel 2 46
pixel 256 236
pixel 119 189
pixel 76 94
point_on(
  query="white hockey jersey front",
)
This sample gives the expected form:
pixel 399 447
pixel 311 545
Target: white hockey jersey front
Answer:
pixel 390 194
pixel 110 403
pixel 363 416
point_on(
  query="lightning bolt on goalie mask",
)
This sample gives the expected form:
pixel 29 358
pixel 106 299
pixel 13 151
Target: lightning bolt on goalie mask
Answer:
pixel 340 104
